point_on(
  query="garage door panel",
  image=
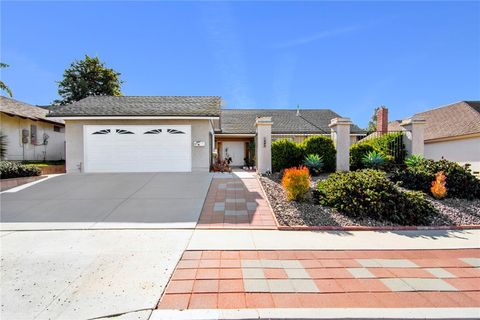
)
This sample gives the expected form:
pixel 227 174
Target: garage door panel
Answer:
pixel 137 148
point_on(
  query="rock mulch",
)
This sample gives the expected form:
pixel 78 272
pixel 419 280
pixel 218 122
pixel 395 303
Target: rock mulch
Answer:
pixel 452 212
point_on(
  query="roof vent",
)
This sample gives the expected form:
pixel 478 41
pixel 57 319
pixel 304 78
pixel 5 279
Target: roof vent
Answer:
pixel 298 110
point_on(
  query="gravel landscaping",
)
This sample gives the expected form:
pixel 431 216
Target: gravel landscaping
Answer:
pixel 452 212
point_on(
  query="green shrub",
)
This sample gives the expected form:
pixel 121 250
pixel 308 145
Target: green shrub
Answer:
pixel 389 145
pixel 373 160
pixel 10 169
pixel 460 182
pixel 285 154
pixel 369 193
pixel 314 163
pixel 323 146
pixel 357 152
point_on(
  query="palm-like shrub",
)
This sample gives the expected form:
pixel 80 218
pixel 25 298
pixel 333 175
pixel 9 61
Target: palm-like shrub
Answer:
pixel 373 160
pixel 314 163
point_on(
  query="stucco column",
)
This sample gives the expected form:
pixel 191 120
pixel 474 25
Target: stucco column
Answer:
pixel 263 146
pixel 341 139
pixel 414 135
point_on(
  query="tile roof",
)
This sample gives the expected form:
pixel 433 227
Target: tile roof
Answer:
pixel 22 109
pixel 456 119
pixel 242 121
pixel 141 106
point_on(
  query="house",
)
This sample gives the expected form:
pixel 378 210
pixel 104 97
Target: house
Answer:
pixel 452 132
pixel 29 133
pixel 171 133
pixel 237 128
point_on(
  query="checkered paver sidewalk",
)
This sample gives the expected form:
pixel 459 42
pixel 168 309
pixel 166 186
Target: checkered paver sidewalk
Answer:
pixel 236 203
pixel 325 279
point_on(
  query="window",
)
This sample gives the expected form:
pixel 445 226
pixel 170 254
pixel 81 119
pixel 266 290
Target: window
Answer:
pixel 57 129
pixel 154 131
pixel 174 131
pixel 122 131
pixel 104 131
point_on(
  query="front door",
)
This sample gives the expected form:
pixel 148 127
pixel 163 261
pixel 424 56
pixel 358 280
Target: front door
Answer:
pixel 235 150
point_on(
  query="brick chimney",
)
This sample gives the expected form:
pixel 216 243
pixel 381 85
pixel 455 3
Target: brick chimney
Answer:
pixel 382 119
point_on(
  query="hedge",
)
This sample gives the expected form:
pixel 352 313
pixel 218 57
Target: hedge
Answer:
pixel 287 154
pixel 370 194
pixel 323 146
pixel 11 169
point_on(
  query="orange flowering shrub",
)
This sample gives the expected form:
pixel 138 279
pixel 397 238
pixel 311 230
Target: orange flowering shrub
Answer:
pixel 296 183
pixel 438 188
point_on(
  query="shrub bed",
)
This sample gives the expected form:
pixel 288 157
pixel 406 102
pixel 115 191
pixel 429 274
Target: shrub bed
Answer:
pixel 370 194
pixel 460 182
pixel 11 169
pixel 285 154
pixel 296 183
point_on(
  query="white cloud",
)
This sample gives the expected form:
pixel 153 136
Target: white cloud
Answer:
pixel 317 36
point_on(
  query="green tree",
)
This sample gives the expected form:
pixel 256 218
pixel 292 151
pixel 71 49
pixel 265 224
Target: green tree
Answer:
pixel 3 86
pixel 88 77
pixel 372 124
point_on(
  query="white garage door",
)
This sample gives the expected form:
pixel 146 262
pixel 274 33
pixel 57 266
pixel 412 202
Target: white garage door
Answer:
pixel 136 148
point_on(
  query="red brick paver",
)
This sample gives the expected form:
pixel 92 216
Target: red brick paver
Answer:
pixel 324 279
pixel 235 203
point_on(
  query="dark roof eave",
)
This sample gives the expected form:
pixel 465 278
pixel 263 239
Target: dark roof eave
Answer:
pixel 131 115
pixel 34 118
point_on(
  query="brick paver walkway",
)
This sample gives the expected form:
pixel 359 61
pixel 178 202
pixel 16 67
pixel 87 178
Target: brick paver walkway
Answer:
pixel 325 279
pixel 236 203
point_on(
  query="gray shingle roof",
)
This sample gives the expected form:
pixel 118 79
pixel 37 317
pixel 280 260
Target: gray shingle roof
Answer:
pixel 192 106
pixel 17 108
pixel 242 121
pixel 456 119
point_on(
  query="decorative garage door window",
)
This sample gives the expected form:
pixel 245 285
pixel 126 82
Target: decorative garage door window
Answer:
pixel 154 131
pixel 122 131
pixel 105 131
pixel 174 131
pixel 118 131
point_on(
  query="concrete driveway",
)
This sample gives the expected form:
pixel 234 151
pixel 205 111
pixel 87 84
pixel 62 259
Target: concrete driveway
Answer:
pixel 110 200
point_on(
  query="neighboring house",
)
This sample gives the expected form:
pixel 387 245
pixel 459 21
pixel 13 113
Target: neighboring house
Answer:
pixel 171 133
pixel 29 133
pixel 452 132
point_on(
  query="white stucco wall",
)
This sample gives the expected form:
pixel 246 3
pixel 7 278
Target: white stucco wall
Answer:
pixel 74 138
pixel 12 127
pixel 461 151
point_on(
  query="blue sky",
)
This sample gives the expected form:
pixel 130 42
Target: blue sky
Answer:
pixel 346 56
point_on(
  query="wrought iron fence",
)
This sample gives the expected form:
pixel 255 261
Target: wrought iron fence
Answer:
pixel 390 143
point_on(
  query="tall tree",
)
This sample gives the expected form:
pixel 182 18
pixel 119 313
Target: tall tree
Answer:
pixel 3 86
pixel 372 124
pixel 88 77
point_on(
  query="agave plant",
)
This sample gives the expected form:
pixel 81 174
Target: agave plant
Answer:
pixel 414 160
pixel 314 163
pixel 373 160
